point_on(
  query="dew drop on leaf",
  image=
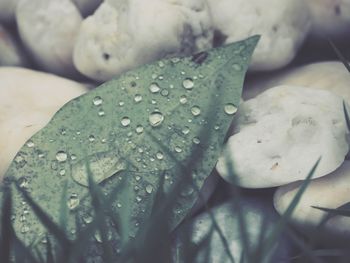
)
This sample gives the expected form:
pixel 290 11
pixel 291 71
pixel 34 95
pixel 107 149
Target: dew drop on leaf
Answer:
pixel 125 121
pixel 159 155
pixel 156 118
pixel 97 101
pixel 137 98
pixel 30 144
pixel 230 109
pixel 149 189
pixel 73 201
pixel 178 149
pixel 139 129
pixel 164 92
pixel 185 130
pixel 101 113
pixel 91 138
pixel 154 88
pixel 61 156
pixel 195 110
pixel 196 140
pixel 237 67
pixel 183 99
pixel 188 84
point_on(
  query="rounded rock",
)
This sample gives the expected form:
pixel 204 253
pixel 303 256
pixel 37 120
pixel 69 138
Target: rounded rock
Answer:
pixel 282 24
pixel 331 191
pixel 48 29
pixel 330 18
pixel 279 135
pixel 114 39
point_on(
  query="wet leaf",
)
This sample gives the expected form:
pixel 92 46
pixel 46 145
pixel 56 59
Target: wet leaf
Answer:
pixel 111 126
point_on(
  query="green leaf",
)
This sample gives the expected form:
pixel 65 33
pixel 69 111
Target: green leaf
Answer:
pixel 111 127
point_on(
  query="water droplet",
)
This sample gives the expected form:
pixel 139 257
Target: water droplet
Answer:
pixel 20 160
pixel 139 129
pixel 230 109
pixel 164 92
pixel 23 182
pixel 237 67
pixel 97 101
pixel 101 113
pixel 24 229
pixel 188 84
pixel 154 88
pixel 87 218
pixel 195 110
pixel 73 201
pixel 61 156
pixel 178 149
pixel 183 99
pixel 185 130
pixel 137 98
pixel 125 121
pixel 30 144
pixel 91 138
pixel 196 140
pixel 175 60
pixel 161 64
pixel 187 191
pixel 156 118
pixel 159 155
pixel 149 189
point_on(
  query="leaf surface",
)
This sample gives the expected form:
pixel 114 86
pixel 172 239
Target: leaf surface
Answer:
pixel 110 127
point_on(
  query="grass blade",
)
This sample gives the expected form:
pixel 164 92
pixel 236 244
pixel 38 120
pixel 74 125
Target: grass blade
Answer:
pixel 272 238
pixel 339 55
pixel 51 226
pixel 63 208
pixel 346 113
pixel 6 227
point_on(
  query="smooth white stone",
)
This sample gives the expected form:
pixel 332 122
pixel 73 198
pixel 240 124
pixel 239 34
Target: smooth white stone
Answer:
pixel 48 29
pixel 28 101
pixel 282 24
pixel 331 76
pixel 121 35
pixel 279 135
pixel 330 18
